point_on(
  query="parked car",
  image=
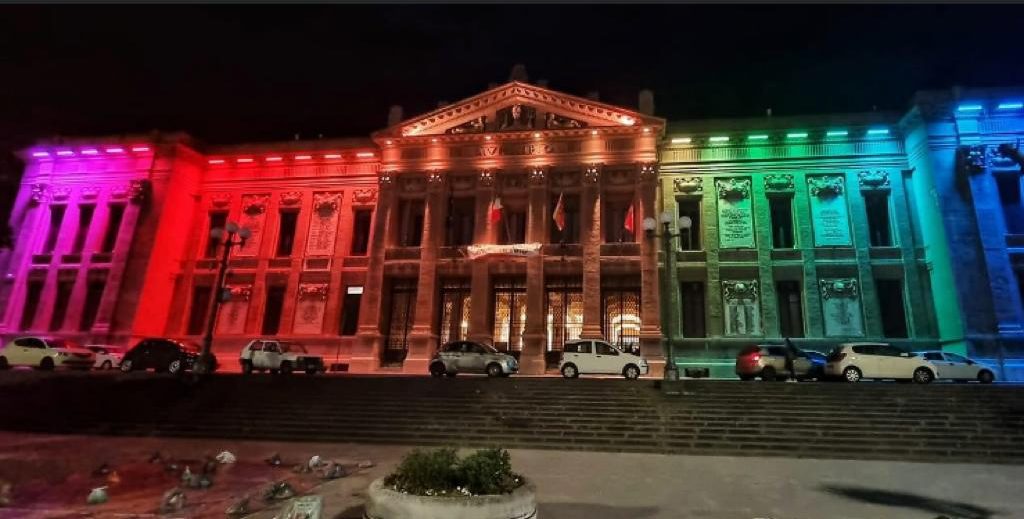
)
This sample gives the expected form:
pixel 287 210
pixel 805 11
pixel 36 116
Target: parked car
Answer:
pixel 856 360
pixel 45 353
pixel 162 355
pixel 472 357
pixel 585 357
pixel 107 357
pixel 768 361
pixel 278 357
pixel 959 368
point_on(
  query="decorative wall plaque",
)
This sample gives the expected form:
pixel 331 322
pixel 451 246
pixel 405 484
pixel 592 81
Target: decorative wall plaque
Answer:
pixel 364 196
pixel 840 302
pixel 971 158
pixel 537 176
pixel 290 198
pixel 90 193
pixel 138 190
pixel 386 178
pixel 829 214
pixel 60 193
pixel 38 195
pixel 1002 156
pixel 233 311
pixel 742 308
pixel 735 213
pixel 119 192
pixel 592 174
pixel 873 180
pixel 648 171
pixel 689 185
pixel 220 200
pixel 253 217
pixel 487 178
pixel 309 312
pixel 255 204
pixel 733 188
pixel 821 186
pixel 778 182
pixel 323 225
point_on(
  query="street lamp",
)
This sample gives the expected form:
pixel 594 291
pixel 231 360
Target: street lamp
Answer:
pixel 204 364
pixel 650 227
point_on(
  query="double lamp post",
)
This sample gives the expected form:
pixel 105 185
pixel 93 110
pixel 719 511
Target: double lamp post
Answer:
pixel 230 236
pixel 668 277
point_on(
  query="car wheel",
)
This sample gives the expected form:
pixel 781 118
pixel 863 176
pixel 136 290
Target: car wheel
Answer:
pixel 246 367
pixel 286 368
pixel 437 369
pixel 768 374
pixel 570 371
pixel 631 372
pixel 46 364
pixel 106 365
pixel 923 376
pixel 852 374
pixel 451 374
pixel 746 378
pixel 126 365
pixel 311 370
pixel 494 370
pixel 3 363
pixel 174 367
pixel 985 376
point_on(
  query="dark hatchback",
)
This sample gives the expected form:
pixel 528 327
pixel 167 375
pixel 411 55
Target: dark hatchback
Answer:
pixel 162 355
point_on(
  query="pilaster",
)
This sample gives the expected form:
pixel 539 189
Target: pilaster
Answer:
pixel 532 360
pixel 422 337
pixel 369 343
pixel 590 238
pixel 651 339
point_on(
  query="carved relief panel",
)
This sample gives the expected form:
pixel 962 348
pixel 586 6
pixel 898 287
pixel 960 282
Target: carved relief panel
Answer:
pixel 253 217
pixel 735 213
pixel 840 302
pixel 234 310
pixel 309 312
pixel 742 307
pixel 829 214
pixel 323 224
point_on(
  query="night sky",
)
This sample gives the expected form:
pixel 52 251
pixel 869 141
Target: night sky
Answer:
pixel 249 73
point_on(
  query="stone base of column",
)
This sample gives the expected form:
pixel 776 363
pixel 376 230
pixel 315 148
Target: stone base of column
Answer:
pixel 421 350
pixel 366 352
pixel 531 361
pixel 652 348
pixel 592 332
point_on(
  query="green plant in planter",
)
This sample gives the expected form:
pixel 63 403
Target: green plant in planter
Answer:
pixel 440 472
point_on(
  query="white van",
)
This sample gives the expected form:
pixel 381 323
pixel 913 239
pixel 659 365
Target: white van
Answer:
pixel 587 357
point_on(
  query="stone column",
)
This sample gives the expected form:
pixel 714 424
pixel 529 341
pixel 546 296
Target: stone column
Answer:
pixel 422 337
pixel 762 213
pixel 532 359
pixel 133 193
pixel 590 238
pixel 862 243
pixel 367 349
pixel 804 235
pixel 480 284
pixel 651 339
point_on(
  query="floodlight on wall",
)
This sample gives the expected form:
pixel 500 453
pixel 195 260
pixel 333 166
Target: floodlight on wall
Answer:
pixel 719 138
pixel 796 135
pixel 757 137
pixel 878 131
pixel 1011 105
pixel 969 108
pixel 681 140
pixel 836 133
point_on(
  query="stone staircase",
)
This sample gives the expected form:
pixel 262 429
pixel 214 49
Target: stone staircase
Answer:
pixel 940 422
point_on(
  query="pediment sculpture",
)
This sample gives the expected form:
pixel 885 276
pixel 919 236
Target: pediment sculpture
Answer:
pixel 516 117
pixel 553 121
pixel 477 125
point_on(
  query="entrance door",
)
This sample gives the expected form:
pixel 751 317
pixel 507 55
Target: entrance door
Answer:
pixel 455 308
pixel 509 314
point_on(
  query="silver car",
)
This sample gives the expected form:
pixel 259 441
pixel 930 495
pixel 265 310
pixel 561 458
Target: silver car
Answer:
pixel 472 357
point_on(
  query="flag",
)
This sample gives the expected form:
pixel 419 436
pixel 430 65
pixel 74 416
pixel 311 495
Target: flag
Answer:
pixel 559 215
pixel 495 213
pixel 628 224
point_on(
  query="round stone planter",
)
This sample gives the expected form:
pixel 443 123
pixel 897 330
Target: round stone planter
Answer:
pixel 384 503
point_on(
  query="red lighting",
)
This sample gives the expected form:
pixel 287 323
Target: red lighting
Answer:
pixel 273 159
pixel 140 148
pixel 115 150
pixel 332 156
pixel 364 155
pixel 628 121
pixel 755 357
pixel 303 157
pixel 216 161
pixel 434 139
pixel 243 161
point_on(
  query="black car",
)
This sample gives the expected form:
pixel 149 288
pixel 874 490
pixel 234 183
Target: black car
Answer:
pixel 162 355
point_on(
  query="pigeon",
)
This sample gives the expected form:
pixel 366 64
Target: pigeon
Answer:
pixel 274 461
pixel 186 475
pixel 102 470
pixel 240 508
pixel 278 491
pixel 97 496
pixel 334 471
pixel 172 501
pixel 156 457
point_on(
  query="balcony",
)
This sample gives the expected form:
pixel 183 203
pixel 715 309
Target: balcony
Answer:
pixel 620 249
pixel 402 253
pixel 738 255
pixel 316 264
pixel 357 261
pixel 42 259
pixel 243 263
pixel 557 249
pixel 279 263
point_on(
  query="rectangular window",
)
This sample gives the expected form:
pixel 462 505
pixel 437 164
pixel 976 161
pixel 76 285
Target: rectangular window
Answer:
pixel 455 310
pixel 689 237
pixel 564 311
pixel 217 221
pixel 93 297
pixel 113 228
pixel 350 310
pixel 410 224
pixel 272 309
pixel 28 312
pixel 791 312
pixel 693 309
pixel 890 305
pixel 782 221
pixel 200 306
pixel 513 227
pixel 615 213
pixel 286 233
pixel 402 312
pixel 56 220
pixel 509 313
pixel 570 233
pixel 877 206
pixel 1009 196
pixel 621 319
pixel 85 213
pixel 60 304
pixel 461 219
pixel 361 231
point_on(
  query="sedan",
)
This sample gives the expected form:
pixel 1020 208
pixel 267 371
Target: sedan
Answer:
pixel 162 355
pixel 959 368
pixel 107 357
pixel 45 353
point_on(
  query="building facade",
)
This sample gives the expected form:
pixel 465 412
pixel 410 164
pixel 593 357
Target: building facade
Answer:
pixel 517 218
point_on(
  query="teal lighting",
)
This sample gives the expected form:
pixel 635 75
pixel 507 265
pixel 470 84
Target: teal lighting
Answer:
pixel 969 108
pixel 878 131
pixel 796 135
pixel 719 138
pixel 757 137
pixel 1011 105
pixel 837 133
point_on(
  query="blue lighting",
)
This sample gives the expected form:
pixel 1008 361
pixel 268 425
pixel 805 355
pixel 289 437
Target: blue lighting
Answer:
pixel 878 131
pixel 969 108
pixel 1011 105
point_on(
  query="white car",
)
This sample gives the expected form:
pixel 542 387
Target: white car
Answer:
pixel 585 357
pixel 853 361
pixel 278 356
pixel 45 353
pixel 959 368
pixel 107 356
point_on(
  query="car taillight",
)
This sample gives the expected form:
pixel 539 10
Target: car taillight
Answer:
pixel 755 356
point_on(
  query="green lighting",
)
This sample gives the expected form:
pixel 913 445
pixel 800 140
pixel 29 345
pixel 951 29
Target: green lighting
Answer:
pixel 796 135
pixel 720 138
pixel 837 133
pixel 878 131
pixel 757 137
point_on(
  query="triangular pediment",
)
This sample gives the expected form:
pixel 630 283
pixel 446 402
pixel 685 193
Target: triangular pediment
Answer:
pixel 517 106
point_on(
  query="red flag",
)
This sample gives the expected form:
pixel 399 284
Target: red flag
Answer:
pixel 628 224
pixel 495 212
pixel 559 215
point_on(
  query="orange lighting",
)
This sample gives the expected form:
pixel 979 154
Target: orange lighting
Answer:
pixel 647 130
pixel 487 137
pixel 593 132
pixel 388 142
pixel 364 155
pixel 434 139
pixel 140 148
pixel 536 135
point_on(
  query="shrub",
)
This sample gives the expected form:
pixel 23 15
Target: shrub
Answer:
pixel 441 473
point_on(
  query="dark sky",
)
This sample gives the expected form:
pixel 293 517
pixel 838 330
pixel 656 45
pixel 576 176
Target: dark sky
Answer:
pixel 239 73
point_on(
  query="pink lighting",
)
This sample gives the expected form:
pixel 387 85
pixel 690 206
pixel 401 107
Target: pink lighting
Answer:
pixel 216 161
pixel 364 155
pixel 65 153
pixel 90 151
pixel 273 159
pixel 303 157
pixel 115 150
pixel 140 148
pixel 332 156
pixel 40 154
pixel 244 161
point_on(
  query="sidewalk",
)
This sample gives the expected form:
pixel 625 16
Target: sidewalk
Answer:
pixel 52 476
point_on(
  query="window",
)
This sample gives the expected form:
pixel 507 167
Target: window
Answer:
pixel 570 233
pixel 513 226
pixel 350 310
pixel 615 212
pixel 461 220
pixel 782 221
pixel 509 313
pixel 791 314
pixel 93 296
pixel 953 357
pixel 410 224
pixel 605 349
pixel 578 347
pixel 400 318
pixel 867 349
pixel 286 233
pixel 564 311
pixel 56 220
pixel 85 213
pixel 693 309
pixel 361 231
pixel 621 320
pixel 28 312
pixel 1009 196
pixel 455 310
pixel 933 355
pixel 272 309
pixel 217 221
pixel 60 304
pixel 689 238
pixel 890 305
pixel 200 305
pixel 877 206
pixel 113 228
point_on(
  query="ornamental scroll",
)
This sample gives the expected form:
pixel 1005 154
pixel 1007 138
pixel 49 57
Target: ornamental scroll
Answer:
pixel 323 225
pixel 254 216
pixel 840 302
pixel 735 214
pixel 742 308
pixel 234 309
pixel 309 312
pixel 828 211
